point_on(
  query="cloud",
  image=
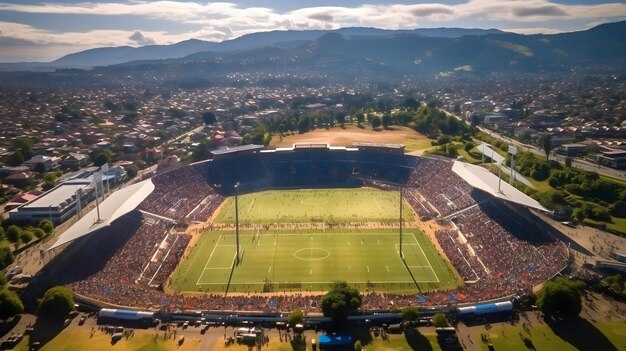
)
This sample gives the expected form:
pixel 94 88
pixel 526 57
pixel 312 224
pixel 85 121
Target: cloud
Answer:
pixel 548 10
pixel 260 17
pixel 218 21
pixel 140 39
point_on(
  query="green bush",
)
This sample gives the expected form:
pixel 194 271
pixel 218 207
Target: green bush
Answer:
pixel 57 302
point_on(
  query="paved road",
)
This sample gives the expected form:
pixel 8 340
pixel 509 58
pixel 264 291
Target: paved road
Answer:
pixel 576 162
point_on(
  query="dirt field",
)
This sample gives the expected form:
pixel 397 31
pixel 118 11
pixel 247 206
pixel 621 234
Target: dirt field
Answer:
pixel 345 137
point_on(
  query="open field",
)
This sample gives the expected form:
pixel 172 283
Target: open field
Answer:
pixel 82 339
pixel 316 205
pixel 345 137
pixel 300 260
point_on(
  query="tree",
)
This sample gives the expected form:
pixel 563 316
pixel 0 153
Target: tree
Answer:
pixel 411 103
pixel 209 117
pixel 26 236
pixel 375 121
pixel 39 233
pixel 409 313
pixel 615 283
pixel 177 113
pixel 341 117
pixel 545 141
pixel 202 152
pixel 10 304
pixel 130 118
pixel 340 301
pixel 16 159
pixel 101 159
pixel 24 145
pixel 387 121
pixel 304 125
pixel 560 297
pixel 295 317
pixel 110 105
pixel 13 233
pixel 131 171
pixel 360 118
pixel 46 226
pixel 468 146
pixel 47 185
pixel 440 320
pixel 6 256
pixel 57 302
pixel 568 162
pixel 2 233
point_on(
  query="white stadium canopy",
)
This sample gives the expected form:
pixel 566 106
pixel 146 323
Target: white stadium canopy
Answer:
pixel 113 207
pixel 480 178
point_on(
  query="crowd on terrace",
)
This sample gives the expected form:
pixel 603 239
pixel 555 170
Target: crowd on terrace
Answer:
pixel 146 253
pixel 442 191
pixel 181 194
pixel 498 247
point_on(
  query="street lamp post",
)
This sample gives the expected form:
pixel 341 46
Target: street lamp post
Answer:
pixel 237 220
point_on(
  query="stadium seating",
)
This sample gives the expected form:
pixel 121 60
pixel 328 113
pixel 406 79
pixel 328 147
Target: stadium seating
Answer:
pixel 497 251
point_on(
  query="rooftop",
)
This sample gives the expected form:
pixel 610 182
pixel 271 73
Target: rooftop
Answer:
pixel 57 196
pixel 482 179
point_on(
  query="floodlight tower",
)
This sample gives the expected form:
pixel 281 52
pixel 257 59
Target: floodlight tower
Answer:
pixel 513 152
pixel 401 253
pixel 237 220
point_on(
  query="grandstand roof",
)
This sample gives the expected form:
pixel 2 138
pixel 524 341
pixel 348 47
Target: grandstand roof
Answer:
pixel 230 150
pixel 482 179
pixel 113 207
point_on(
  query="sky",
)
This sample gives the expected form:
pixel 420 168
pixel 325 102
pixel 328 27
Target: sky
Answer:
pixel 32 30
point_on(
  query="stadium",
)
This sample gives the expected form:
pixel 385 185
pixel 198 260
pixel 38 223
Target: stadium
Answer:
pixel 269 230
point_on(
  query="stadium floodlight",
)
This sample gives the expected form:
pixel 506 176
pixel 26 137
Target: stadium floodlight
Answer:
pixel 237 221
pixel 401 252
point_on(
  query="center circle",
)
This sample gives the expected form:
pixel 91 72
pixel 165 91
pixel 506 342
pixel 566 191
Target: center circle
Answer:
pixel 311 254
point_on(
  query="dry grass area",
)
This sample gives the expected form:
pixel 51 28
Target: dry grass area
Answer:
pixel 346 136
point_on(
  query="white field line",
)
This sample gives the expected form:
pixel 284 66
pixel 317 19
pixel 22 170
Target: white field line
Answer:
pixel 423 253
pixel 328 282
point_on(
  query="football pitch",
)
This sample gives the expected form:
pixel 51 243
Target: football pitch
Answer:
pixel 301 260
pixel 316 205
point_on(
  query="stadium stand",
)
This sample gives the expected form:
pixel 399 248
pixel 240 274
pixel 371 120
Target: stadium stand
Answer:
pixel 497 251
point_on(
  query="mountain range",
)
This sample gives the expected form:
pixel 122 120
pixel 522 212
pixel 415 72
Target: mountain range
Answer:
pixel 287 39
pixel 348 54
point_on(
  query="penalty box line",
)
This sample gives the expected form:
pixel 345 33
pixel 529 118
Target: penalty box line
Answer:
pixel 209 259
pixel 423 254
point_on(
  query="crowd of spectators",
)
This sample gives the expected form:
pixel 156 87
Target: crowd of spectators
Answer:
pixel 459 255
pixel 146 254
pixel 178 192
pixel 440 186
pixel 206 208
pixel 504 251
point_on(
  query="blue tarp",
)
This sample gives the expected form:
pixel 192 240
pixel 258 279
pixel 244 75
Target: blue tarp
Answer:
pixel 334 340
pixel 486 308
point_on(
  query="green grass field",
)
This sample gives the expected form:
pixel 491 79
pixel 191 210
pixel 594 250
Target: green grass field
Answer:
pixel 316 205
pixel 302 260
